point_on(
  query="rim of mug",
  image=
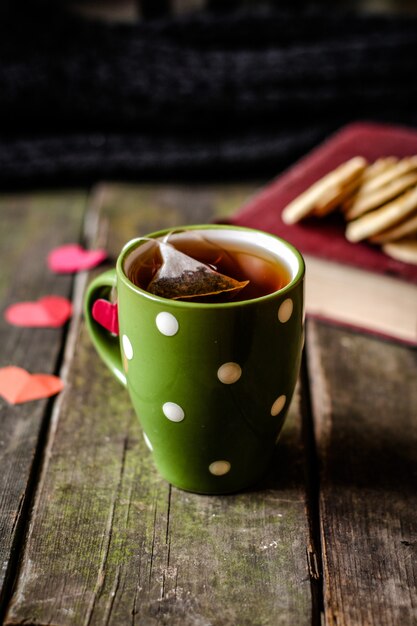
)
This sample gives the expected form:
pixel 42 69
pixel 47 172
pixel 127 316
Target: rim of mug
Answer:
pixel 137 241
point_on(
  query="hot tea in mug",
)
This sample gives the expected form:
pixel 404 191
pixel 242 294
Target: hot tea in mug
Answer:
pixel 246 271
pixel 210 337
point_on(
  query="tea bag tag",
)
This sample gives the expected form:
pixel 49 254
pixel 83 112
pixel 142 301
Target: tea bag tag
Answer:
pixel 183 277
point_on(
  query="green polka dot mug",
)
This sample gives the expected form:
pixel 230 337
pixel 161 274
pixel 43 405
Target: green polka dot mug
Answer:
pixel 211 383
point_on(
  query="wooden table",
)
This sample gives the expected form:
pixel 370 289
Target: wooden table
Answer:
pixel 89 532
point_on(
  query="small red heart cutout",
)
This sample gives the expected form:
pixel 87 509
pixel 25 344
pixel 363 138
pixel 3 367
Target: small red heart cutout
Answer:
pixel 50 311
pixel 106 314
pixel 73 258
pixel 17 385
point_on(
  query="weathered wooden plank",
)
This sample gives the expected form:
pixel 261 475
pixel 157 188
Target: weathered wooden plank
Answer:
pixel 110 542
pixel 364 396
pixel 29 227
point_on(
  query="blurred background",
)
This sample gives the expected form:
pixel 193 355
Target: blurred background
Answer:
pixel 136 9
pixel 193 89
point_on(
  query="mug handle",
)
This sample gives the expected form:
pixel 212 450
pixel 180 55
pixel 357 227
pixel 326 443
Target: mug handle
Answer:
pixel 106 344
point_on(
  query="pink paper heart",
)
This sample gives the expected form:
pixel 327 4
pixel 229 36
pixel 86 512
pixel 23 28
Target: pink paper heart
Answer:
pixel 105 313
pixel 50 311
pixel 73 258
pixel 17 385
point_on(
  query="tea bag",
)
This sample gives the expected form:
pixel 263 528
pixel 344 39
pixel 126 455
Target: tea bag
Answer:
pixel 181 277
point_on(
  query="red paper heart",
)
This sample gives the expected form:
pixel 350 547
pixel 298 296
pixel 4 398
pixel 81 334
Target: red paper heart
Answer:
pixel 105 313
pixel 50 311
pixel 73 258
pixel 17 385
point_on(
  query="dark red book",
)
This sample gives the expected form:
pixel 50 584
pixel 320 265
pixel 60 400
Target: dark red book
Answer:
pixel 351 283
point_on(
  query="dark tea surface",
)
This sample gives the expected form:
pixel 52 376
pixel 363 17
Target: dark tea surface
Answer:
pixel 256 271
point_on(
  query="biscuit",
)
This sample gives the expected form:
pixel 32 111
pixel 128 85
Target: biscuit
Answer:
pixel 325 194
pixel 404 250
pixel 374 169
pixel 383 218
pixel 335 198
pixel 393 171
pixel 374 199
pixel 377 167
pixel 401 230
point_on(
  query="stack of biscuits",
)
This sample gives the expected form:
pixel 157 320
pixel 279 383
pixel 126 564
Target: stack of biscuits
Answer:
pixel 378 201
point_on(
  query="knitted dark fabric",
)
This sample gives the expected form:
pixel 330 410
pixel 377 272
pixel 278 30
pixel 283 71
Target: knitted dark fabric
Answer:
pixel 203 96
